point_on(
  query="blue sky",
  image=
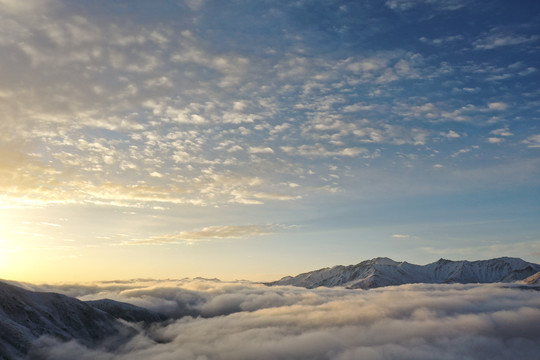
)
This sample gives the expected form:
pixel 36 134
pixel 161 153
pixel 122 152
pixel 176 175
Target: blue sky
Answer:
pixel 254 139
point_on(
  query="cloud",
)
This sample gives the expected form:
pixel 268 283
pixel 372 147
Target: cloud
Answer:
pixel 501 132
pixel 261 150
pixel 14 6
pixel 240 320
pixel 319 150
pixel 447 5
pixel 26 181
pixel 276 196
pixel 367 65
pixel 451 134
pixel 497 106
pixel 207 234
pixel 533 141
pixel 400 236
pixel 127 111
pixel 195 5
pixel 464 151
pixel 441 41
pixel 496 40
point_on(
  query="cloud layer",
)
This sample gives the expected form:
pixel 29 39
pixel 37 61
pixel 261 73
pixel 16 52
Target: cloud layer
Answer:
pixel 246 321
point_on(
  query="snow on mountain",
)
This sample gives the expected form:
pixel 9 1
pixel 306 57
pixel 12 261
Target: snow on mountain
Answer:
pixel 382 271
pixel 26 315
pixel 533 279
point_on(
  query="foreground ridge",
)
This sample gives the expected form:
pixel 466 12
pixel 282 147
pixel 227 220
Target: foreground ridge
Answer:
pixel 28 317
pixel 383 271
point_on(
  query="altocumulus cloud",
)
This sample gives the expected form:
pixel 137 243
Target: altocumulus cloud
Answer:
pixel 209 233
pixel 242 320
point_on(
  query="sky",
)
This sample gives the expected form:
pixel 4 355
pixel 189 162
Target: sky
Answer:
pixel 257 139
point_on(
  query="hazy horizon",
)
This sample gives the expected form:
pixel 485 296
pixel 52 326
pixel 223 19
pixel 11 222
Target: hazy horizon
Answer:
pixel 258 139
pixel 87 282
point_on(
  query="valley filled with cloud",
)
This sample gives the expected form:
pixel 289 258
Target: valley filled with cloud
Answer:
pixel 237 133
pixel 244 320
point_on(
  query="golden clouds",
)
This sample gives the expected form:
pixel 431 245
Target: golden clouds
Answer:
pixel 209 233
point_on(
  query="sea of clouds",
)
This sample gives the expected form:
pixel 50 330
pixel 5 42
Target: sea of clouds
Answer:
pixel 243 320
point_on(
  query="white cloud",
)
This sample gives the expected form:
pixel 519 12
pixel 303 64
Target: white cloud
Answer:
pixel 240 320
pixel 275 196
pixel 358 107
pixel 235 148
pixel 208 233
pixel 367 65
pixel 464 151
pixel 197 119
pixel 441 41
pixel 451 134
pixel 501 132
pixel 261 150
pixel 239 105
pixel 17 7
pixel 319 150
pixel 238 118
pixel 448 5
pixel 353 151
pixel 496 40
pixel 533 141
pixel 280 128
pixel 195 5
pixel 500 106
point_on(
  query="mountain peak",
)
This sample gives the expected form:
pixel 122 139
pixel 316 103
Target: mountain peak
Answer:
pixel 384 261
pixel 383 271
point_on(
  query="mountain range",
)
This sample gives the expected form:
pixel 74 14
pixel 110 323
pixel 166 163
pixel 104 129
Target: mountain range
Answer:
pixel 26 316
pixel 383 271
pixel 30 320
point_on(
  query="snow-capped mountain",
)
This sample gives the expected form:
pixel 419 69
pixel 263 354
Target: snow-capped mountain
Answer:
pixel 383 271
pixel 26 315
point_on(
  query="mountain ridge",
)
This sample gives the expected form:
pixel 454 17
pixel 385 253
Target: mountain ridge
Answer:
pixel 27 316
pixel 127 312
pixel 383 271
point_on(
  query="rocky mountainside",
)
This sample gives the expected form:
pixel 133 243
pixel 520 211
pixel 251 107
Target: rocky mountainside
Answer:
pixel 26 316
pixel 380 272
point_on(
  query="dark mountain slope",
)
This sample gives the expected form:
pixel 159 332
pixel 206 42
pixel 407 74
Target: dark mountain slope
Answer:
pixel 26 315
pixel 127 312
